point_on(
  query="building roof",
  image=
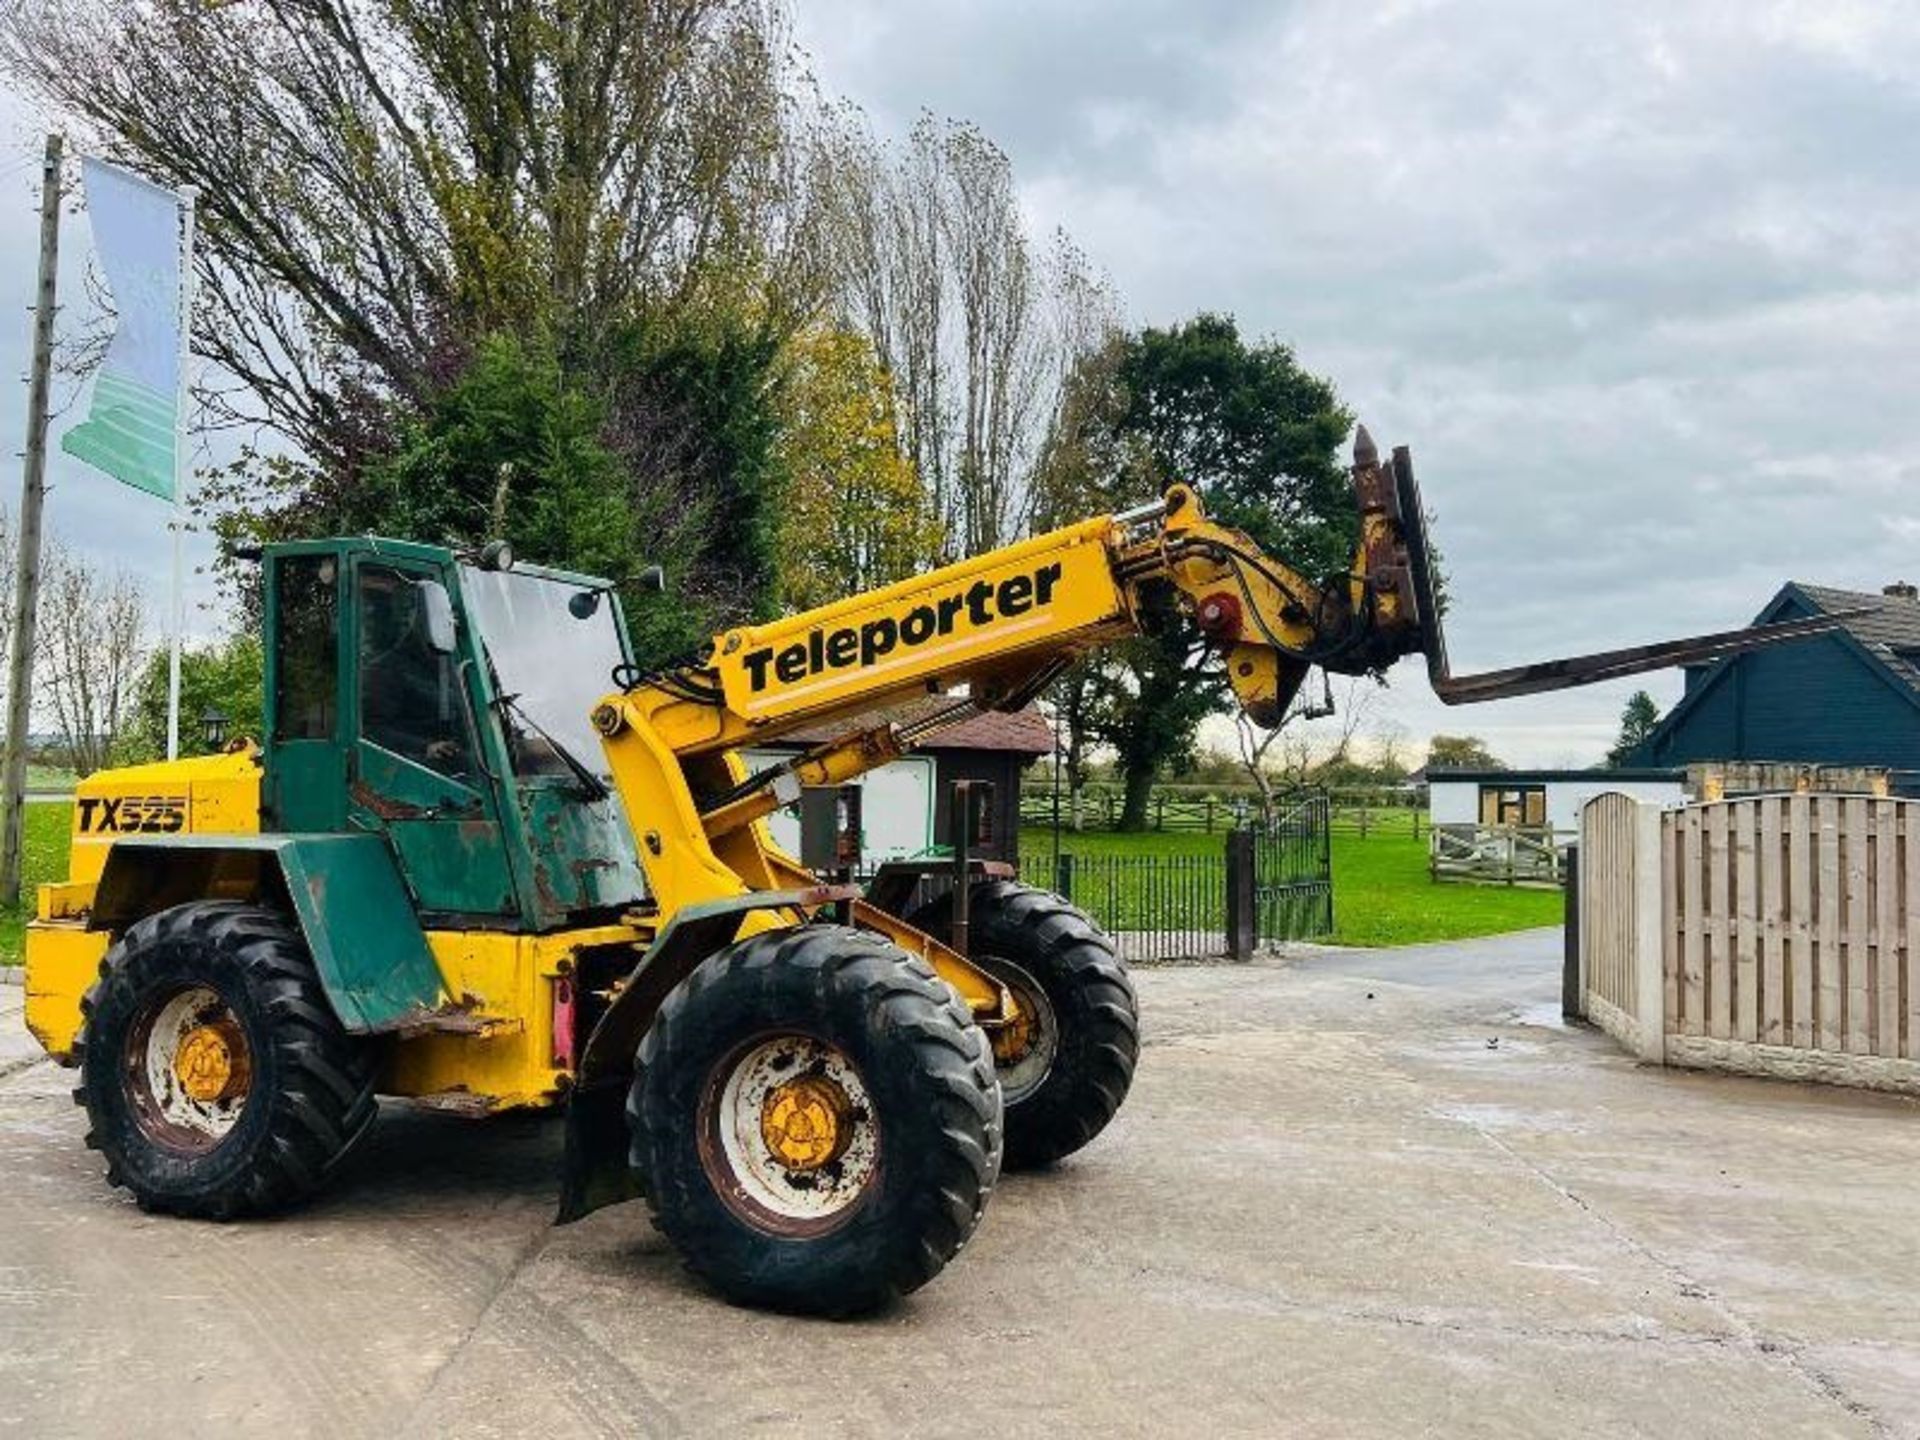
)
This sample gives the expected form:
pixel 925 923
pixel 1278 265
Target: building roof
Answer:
pixel 1542 777
pixel 1024 732
pixel 1889 630
pixel 1886 638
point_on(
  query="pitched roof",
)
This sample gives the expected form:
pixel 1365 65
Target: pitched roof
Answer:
pixel 1024 732
pixel 1889 630
pixel 1886 637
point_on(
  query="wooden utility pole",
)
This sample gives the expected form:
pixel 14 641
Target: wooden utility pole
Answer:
pixel 33 490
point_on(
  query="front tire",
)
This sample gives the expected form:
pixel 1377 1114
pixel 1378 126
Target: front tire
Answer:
pixel 815 1121
pixel 217 1079
pixel 1068 1065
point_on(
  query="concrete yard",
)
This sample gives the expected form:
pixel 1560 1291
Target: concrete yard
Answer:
pixel 1354 1193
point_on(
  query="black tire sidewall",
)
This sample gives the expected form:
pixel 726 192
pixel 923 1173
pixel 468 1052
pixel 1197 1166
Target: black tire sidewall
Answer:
pixel 306 1071
pixel 1069 962
pixel 145 977
pixel 860 1262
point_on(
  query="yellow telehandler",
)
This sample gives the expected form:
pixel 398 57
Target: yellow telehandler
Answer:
pixel 481 860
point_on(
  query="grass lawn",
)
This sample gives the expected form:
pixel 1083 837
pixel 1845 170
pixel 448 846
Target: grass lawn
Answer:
pixel 1381 891
pixel 45 858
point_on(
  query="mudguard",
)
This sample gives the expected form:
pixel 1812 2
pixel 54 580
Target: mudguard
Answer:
pixel 595 1172
pixel 344 891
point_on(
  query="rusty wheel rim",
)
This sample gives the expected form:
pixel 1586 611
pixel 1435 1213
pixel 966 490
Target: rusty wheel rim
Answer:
pixel 187 1069
pixel 788 1137
pixel 1024 1051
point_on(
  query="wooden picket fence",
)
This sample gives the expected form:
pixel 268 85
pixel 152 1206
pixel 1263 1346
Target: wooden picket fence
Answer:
pixel 1171 810
pixel 1775 933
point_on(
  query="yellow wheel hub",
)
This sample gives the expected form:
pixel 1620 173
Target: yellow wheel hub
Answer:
pixel 211 1063
pixel 806 1122
pixel 1013 1040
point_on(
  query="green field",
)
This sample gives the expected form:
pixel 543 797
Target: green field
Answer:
pixel 45 858
pixel 1381 892
pixel 48 778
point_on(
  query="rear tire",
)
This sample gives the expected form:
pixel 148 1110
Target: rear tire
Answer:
pixel 815 1120
pixel 1070 1072
pixel 217 1079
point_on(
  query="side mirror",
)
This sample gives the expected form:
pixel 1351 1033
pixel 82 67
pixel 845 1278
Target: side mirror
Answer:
pixel 436 609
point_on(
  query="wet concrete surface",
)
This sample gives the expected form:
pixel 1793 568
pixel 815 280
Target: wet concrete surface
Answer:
pixel 1354 1193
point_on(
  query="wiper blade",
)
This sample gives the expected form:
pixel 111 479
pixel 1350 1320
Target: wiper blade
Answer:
pixel 592 784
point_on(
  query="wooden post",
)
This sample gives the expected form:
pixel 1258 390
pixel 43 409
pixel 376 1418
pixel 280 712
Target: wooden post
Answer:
pixel 1572 996
pixel 1240 916
pixel 33 490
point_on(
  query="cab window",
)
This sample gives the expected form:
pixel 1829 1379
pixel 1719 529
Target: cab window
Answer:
pixel 306 662
pixel 410 700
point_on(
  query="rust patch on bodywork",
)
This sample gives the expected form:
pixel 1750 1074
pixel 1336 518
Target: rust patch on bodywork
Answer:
pixel 452 1017
pixel 463 1103
pixel 384 807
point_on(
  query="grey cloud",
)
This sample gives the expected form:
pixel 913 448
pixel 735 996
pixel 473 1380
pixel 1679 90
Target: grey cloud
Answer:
pixel 1637 281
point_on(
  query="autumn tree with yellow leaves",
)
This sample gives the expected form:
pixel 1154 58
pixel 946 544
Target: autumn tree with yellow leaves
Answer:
pixel 856 515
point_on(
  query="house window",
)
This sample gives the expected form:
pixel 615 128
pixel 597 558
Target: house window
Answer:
pixel 1513 805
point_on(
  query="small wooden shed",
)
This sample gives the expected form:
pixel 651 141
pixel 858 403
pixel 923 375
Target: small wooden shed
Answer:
pixel 905 806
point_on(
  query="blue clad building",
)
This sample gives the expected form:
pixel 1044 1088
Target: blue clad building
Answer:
pixel 1848 698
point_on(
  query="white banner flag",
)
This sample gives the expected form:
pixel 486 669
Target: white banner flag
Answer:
pixel 133 427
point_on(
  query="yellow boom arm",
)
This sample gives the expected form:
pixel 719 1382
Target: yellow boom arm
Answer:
pixel 1003 624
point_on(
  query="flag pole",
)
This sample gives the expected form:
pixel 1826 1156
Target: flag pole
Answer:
pixel 26 580
pixel 182 467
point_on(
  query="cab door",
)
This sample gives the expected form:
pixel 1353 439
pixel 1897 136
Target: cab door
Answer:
pixel 306 762
pixel 416 770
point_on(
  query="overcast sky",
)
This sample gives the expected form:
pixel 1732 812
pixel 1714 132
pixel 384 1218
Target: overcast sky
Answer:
pixel 1635 280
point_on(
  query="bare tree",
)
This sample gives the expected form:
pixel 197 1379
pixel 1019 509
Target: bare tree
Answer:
pixel 382 180
pixel 1389 744
pixel 1359 698
pixel 91 642
pixel 1283 753
pixel 978 329
pixel 1289 754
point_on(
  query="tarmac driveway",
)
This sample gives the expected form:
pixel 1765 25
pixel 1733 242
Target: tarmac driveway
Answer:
pixel 1367 1193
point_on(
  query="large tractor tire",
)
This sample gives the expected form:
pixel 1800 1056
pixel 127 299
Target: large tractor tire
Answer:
pixel 1066 1066
pixel 217 1079
pixel 815 1121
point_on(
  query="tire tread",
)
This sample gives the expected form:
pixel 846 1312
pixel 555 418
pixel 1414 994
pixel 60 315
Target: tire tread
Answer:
pixel 324 1103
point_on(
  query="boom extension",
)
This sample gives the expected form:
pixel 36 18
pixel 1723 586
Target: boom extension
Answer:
pixel 1001 625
